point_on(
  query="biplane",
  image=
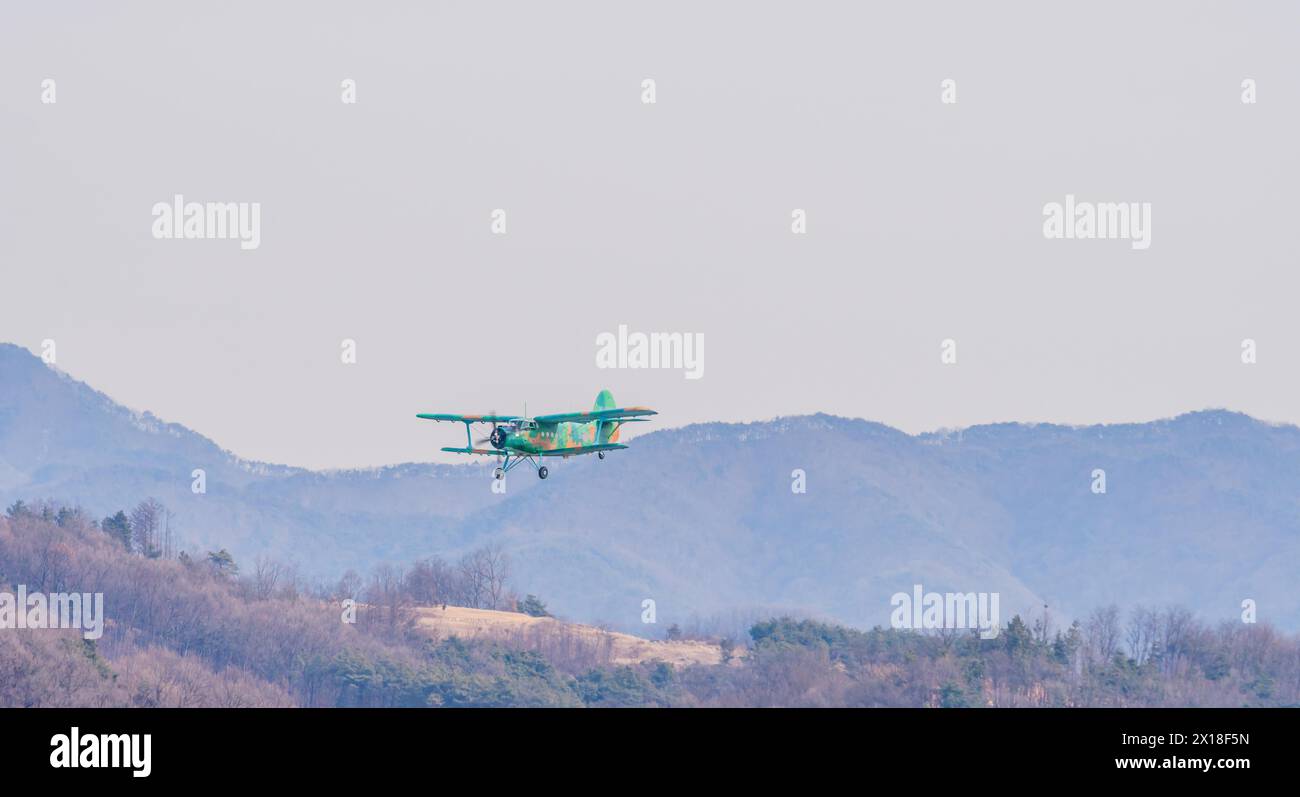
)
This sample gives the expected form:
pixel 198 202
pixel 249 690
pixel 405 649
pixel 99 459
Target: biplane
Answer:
pixel 518 438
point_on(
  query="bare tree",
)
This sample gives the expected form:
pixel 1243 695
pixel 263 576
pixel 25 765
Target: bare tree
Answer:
pixel 484 573
pixel 168 541
pixel 496 571
pixel 1177 626
pixel 471 580
pixel 1102 633
pixel 266 575
pixel 146 519
pixel 431 581
pixel 388 592
pixel 1143 629
pixel 349 586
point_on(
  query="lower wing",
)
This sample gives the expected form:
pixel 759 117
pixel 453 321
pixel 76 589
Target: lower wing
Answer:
pixel 568 452
pixel 490 451
pixel 554 452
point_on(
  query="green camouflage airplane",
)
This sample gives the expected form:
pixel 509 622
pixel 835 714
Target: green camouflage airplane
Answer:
pixel 565 434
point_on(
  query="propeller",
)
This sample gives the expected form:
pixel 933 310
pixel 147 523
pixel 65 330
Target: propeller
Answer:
pixel 497 437
pixel 480 441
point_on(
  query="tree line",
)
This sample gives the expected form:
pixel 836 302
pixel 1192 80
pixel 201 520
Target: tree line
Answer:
pixel 196 630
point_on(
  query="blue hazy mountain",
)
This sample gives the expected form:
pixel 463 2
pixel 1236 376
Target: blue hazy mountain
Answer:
pixel 1201 510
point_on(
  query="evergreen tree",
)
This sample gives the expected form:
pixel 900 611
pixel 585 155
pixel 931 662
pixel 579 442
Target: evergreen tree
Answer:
pixel 118 527
pixel 1018 637
pixel 952 696
pixel 533 607
pixel 223 562
pixel 728 649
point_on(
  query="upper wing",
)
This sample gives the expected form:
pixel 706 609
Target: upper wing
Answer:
pixel 442 416
pixel 596 415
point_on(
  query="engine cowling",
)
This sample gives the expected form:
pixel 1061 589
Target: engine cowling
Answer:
pixel 498 437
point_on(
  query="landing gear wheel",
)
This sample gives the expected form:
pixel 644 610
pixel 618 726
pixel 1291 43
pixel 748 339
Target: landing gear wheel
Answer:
pixel 542 472
pixel 499 473
pixel 600 454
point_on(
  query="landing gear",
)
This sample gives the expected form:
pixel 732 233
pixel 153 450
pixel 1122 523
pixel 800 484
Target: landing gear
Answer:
pixel 600 454
pixel 512 462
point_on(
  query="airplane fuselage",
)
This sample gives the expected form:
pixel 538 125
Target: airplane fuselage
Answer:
pixel 552 436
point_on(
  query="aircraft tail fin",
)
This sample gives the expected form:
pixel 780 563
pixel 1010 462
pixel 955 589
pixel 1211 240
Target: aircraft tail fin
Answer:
pixel 608 431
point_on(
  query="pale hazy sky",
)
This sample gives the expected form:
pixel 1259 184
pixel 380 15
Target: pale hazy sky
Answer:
pixel 924 219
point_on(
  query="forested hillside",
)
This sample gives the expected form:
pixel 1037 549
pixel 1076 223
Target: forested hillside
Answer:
pixel 202 630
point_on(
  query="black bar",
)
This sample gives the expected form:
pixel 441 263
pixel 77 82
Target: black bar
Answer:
pixel 330 746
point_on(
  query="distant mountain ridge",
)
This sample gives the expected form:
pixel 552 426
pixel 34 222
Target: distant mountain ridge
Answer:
pixel 1201 510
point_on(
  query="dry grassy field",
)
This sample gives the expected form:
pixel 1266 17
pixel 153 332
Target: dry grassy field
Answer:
pixel 550 634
